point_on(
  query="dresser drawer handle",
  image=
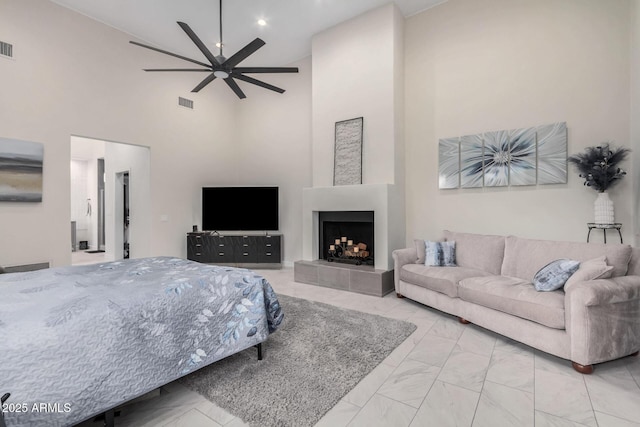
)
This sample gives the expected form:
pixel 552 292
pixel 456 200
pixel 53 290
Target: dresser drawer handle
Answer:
pixel 221 253
pixel 268 253
pixel 245 245
pixel 245 254
pixel 198 245
pixel 268 245
pixel 221 244
pixel 198 254
pixel 198 237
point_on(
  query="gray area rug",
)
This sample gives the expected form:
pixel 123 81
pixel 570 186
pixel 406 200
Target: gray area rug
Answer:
pixel 316 357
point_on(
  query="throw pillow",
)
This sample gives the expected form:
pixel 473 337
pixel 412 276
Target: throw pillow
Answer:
pixel 440 254
pixel 554 275
pixel 590 270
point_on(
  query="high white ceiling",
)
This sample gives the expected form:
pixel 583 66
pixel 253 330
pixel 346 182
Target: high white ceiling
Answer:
pixel 290 23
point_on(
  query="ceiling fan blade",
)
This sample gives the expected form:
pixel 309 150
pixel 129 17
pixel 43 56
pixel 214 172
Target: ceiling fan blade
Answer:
pixel 206 52
pixel 205 82
pixel 243 53
pixel 234 86
pixel 170 54
pixel 266 69
pixel 178 69
pixel 258 83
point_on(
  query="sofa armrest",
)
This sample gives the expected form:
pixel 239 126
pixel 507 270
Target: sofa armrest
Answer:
pixel 402 257
pixel 603 318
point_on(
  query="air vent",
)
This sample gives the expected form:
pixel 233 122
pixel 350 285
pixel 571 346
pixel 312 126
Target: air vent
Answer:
pixel 6 50
pixel 184 102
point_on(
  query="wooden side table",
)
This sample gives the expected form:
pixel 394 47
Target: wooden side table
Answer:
pixel 604 227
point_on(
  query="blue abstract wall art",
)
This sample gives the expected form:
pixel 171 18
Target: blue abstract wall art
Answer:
pixel 496 159
pixel 552 153
pixel 527 156
pixel 471 160
pixel 449 163
pixel 522 149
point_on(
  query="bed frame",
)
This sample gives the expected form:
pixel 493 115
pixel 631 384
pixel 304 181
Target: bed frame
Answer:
pixel 109 416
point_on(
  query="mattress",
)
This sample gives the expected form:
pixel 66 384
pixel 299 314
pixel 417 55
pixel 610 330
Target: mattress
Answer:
pixel 77 341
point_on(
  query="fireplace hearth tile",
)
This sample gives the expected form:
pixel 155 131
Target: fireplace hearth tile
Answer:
pixel 361 281
pixel 354 278
pixel 306 274
pixel 337 278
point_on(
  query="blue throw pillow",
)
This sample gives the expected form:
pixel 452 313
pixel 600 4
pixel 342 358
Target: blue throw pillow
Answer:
pixel 440 254
pixel 554 275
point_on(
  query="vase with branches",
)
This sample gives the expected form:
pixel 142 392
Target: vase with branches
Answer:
pixel 598 166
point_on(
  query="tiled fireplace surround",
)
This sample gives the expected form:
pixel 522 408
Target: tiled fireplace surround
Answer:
pixel 385 201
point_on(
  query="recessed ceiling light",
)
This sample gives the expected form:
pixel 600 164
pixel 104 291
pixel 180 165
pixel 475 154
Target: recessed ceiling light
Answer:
pixel 262 22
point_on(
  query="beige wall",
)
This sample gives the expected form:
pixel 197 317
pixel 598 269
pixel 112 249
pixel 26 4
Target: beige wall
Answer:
pixel 353 76
pixel 474 66
pixel 635 115
pixel 74 76
pixel 274 145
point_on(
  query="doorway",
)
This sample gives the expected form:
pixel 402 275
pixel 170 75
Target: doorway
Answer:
pixel 100 179
pixel 123 213
pixel 117 182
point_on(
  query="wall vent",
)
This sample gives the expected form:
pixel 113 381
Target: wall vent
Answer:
pixel 184 102
pixel 6 50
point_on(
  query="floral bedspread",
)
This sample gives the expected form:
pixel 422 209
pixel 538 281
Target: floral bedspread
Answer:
pixel 77 341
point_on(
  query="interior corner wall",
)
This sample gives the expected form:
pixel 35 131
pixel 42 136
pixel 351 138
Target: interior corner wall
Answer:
pixel 473 66
pixel 74 76
pixel 635 115
pixel 274 147
pixel 353 76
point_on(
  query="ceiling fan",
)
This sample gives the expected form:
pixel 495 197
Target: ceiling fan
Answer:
pixel 222 67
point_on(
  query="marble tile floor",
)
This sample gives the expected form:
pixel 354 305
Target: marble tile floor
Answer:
pixel 444 374
pixel 84 258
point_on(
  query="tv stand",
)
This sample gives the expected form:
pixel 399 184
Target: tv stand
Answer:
pixel 243 250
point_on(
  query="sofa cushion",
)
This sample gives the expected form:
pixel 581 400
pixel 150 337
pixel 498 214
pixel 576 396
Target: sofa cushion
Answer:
pixel 420 250
pixel 479 251
pixel 634 264
pixel 516 297
pixel 524 257
pixel 593 269
pixel 440 279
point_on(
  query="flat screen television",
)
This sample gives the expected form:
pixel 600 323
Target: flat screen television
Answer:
pixel 240 208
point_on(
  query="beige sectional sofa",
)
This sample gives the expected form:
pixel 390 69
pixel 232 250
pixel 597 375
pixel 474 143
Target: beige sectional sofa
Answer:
pixel 587 322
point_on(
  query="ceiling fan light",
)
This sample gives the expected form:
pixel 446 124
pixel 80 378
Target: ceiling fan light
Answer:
pixel 221 74
pixel 262 22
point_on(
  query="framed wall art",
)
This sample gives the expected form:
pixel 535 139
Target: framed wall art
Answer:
pixel 527 156
pixel 20 170
pixel 347 163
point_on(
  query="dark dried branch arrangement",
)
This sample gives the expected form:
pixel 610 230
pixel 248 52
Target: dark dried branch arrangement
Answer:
pixel 598 166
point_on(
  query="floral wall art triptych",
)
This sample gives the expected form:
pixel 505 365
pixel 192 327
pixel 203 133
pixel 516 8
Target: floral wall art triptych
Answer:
pixel 528 156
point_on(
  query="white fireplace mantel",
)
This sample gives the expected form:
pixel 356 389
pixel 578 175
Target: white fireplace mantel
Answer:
pixel 384 200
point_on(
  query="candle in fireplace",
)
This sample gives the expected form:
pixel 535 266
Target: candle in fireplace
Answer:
pixel 344 240
pixel 332 248
pixel 350 242
pixel 356 249
pixel 337 241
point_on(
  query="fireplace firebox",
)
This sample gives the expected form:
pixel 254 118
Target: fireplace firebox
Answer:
pixel 346 236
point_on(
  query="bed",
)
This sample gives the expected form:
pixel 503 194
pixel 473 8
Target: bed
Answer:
pixel 78 341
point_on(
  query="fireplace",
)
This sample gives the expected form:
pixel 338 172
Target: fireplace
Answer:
pixel 346 236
